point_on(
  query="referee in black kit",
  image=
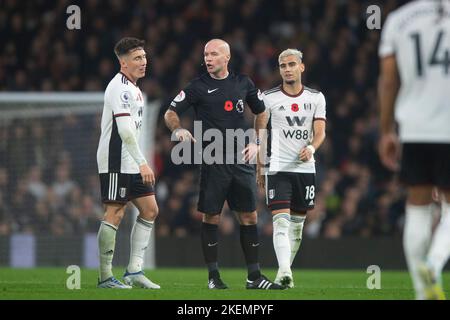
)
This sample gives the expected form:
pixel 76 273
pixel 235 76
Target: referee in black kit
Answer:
pixel 218 98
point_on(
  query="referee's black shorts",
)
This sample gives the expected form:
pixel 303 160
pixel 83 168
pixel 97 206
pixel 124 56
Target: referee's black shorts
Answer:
pixel 234 183
pixel 426 164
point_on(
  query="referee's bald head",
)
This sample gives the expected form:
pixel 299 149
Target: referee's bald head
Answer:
pixel 216 58
pixel 219 45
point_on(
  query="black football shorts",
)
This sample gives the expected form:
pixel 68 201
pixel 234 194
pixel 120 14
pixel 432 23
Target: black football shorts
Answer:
pixel 291 190
pixel 425 164
pixel 122 187
pixel 231 182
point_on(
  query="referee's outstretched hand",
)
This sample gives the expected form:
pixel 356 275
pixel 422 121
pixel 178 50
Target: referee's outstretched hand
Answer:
pixel 184 135
pixel 148 177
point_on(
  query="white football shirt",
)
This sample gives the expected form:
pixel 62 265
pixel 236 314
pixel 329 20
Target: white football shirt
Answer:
pixel 122 99
pixel 420 41
pixel 291 127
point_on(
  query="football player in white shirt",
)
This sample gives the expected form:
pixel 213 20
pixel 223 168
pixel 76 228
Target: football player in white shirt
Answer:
pixel 297 129
pixel 414 87
pixel 124 173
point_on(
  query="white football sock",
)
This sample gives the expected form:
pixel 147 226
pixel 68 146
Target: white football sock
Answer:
pixel 281 242
pixel 440 246
pixel 140 236
pixel 106 238
pixel 416 241
pixel 295 234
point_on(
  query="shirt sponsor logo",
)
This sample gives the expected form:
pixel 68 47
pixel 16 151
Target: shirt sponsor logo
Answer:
pixel 292 121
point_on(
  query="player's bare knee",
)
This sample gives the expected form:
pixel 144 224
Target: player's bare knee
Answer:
pixel 114 214
pixel 420 195
pixel 150 213
pixel 274 212
pixel 445 195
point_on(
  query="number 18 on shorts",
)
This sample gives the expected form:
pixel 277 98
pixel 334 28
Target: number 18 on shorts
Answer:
pixel 290 190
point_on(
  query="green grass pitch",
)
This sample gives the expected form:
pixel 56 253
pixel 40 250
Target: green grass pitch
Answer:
pixel 191 284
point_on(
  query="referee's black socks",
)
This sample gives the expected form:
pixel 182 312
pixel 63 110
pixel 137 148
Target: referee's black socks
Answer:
pixel 250 245
pixel 210 244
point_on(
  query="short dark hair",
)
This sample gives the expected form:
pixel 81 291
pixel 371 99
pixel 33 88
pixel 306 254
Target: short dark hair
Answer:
pixel 125 45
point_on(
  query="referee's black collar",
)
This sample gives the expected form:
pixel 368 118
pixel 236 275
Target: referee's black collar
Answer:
pixel 230 73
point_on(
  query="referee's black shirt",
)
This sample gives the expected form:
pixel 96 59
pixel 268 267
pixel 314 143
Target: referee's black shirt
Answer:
pixel 220 104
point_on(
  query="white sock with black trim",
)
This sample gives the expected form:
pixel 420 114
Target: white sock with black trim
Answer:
pixel 106 238
pixel 295 234
pixel 281 242
pixel 440 246
pixel 416 241
pixel 140 237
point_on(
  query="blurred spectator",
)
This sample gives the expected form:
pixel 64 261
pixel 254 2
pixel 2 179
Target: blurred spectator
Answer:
pixel 63 184
pixel 17 151
pixel 36 187
pixel 39 146
pixel 22 207
pixel 42 218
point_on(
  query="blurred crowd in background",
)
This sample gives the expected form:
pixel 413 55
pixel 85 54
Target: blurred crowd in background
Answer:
pixel 48 177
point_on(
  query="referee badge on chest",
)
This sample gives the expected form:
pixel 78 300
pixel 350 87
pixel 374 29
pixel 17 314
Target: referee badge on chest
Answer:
pixel 271 193
pixel 123 192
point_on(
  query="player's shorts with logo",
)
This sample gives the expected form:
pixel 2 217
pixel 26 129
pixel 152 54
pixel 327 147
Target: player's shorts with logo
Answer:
pixel 426 164
pixel 290 190
pixel 122 187
pixel 234 183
